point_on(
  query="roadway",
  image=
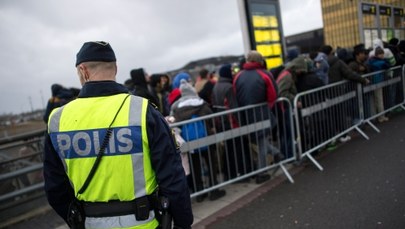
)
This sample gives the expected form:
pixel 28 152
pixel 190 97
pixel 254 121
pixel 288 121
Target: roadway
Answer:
pixel 362 186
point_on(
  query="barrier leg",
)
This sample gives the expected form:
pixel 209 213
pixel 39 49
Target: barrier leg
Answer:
pixel 314 161
pixel 373 126
pixel 286 173
pixel 362 133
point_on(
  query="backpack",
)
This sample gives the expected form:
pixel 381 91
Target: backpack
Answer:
pixel 194 130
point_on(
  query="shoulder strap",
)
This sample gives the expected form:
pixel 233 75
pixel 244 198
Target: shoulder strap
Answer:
pixel 101 151
pixel 282 75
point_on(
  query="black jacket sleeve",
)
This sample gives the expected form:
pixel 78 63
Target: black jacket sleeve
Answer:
pixel 57 185
pixel 349 74
pixel 169 171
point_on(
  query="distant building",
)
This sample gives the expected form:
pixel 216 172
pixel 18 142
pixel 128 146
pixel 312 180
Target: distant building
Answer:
pixel 349 22
pixel 306 42
pixel 211 64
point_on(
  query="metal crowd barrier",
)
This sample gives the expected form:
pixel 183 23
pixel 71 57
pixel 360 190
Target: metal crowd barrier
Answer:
pixel 239 144
pixel 325 114
pixel 384 94
pixel 230 150
pixel 20 168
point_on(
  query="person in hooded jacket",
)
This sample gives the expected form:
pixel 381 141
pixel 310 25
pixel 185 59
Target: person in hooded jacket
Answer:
pixel 388 55
pixel 60 96
pixel 190 105
pixel 390 91
pixel 322 67
pixel 158 88
pixel 378 63
pixel 287 87
pixel 140 85
pixel 237 153
pixel 287 80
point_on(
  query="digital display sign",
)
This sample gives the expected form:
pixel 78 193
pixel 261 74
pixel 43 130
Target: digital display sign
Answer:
pixel 368 8
pixel 398 12
pixel 384 10
pixel 265 28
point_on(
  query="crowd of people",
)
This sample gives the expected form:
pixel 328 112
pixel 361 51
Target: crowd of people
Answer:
pixel 249 82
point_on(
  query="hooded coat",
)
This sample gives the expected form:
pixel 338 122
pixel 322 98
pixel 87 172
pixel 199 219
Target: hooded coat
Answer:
pixel 322 68
pixel 140 85
pixel 60 96
pixel 387 52
pixel 223 97
pixel 287 79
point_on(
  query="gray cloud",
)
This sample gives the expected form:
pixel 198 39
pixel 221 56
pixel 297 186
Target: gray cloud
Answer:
pixel 39 39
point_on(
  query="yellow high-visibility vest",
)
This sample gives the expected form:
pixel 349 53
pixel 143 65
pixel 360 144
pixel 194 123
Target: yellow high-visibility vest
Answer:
pixel 125 172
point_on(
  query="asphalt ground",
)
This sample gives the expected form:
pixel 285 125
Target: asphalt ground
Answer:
pixel 362 186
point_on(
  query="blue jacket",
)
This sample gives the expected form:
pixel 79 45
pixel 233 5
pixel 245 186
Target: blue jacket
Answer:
pixel 165 158
pixel 377 64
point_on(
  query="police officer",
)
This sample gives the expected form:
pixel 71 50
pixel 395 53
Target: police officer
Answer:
pixel 108 153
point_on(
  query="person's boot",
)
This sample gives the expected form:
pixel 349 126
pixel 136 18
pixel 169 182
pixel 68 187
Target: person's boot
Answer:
pixel 201 197
pixel 260 178
pixel 216 194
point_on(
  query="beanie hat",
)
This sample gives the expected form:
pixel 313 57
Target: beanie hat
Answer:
pixel 186 89
pixel 179 77
pixel 292 54
pixel 55 88
pixel 226 71
pixel 95 51
pixel 138 77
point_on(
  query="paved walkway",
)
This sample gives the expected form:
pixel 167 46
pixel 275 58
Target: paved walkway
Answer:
pixel 362 186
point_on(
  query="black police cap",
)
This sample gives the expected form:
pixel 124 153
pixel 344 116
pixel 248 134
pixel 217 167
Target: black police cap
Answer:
pixel 95 51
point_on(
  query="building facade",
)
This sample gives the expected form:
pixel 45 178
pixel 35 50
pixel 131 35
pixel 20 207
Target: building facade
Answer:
pixel 350 22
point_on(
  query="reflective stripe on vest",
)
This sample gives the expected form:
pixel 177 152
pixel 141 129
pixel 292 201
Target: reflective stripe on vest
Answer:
pixel 125 172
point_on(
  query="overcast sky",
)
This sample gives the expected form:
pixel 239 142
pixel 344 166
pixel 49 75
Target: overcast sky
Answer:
pixel 40 39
